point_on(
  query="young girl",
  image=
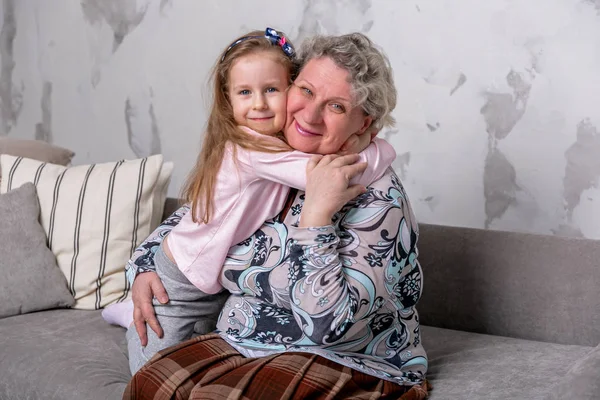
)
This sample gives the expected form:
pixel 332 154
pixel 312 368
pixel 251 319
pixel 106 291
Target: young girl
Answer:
pixel 241 179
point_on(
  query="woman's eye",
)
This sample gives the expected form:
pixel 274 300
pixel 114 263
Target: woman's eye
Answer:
pixel 338 108
pixel 306 91
pixel 244 92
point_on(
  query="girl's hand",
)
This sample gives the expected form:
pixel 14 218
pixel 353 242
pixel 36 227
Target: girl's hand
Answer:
pixel 356 143
pixel 328 187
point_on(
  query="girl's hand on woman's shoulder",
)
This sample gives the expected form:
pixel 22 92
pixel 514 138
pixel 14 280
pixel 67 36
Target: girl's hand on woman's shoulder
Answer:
pixel 328 187
pixel 356 143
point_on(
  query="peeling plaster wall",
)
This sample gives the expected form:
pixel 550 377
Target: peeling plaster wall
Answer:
pixel 498 117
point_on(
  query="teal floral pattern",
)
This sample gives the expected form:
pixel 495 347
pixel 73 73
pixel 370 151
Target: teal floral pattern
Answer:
pixel 345 291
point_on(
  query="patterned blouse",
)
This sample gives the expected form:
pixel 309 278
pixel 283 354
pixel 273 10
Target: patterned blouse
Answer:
pixel 346 291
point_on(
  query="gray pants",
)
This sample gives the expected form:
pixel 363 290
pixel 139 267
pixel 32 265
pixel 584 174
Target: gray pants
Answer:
pixel 188 306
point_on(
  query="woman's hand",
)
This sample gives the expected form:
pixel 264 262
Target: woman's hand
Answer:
pixel 146 286
pixel 328 187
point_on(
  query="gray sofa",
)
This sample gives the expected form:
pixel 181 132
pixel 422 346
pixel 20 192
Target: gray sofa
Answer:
pixel 504 316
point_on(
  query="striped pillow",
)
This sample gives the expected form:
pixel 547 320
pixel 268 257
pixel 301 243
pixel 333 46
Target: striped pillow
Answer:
pixel 94 217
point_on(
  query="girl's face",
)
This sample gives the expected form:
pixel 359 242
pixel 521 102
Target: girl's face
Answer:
pixel 257 92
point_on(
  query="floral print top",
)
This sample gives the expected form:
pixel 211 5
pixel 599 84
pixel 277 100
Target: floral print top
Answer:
pixel 346 291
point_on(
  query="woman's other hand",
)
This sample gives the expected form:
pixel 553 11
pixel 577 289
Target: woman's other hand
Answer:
pixel 145 287
pixel 328 187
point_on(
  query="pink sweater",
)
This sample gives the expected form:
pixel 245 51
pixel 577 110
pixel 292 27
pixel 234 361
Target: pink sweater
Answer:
pixel 247 194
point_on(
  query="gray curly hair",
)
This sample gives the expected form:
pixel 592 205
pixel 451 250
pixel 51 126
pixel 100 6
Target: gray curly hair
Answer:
pixel 370 72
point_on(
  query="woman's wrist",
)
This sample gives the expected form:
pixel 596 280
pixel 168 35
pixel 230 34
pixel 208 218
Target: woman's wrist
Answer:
pixel 310 217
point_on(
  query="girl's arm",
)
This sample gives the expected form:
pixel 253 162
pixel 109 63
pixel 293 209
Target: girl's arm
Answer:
pixel 289 168
pixel 379 155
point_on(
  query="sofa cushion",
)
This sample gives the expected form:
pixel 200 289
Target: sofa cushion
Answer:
pixel 582 382
pixel 94 217
pixel 31 280
pixel 36 149
pixel 62 355
pixel 465 365
pixel 74 354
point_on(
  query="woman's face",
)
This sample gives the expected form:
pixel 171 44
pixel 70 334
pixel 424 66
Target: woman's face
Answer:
pixel 320 112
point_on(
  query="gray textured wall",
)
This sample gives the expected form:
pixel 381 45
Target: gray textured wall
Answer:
pixel 497 120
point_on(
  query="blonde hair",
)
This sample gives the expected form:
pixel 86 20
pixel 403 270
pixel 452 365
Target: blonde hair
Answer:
pixel 221 128
pixel 371 74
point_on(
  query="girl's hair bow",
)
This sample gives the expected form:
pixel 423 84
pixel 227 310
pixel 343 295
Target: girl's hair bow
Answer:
pixel 274 37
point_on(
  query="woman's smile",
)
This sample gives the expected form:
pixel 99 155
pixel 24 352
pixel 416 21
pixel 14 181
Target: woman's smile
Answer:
pixel 303 131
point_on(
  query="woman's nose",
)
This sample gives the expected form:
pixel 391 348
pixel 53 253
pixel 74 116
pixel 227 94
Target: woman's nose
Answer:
pixel 312 114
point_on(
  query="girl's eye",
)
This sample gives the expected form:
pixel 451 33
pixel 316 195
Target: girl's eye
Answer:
pixel 244 92
pixel 338 108
pixel 271 90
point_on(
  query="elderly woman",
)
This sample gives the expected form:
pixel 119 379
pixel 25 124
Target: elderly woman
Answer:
pixel 321 302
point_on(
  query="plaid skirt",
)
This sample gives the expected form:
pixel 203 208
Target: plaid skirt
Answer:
pixel 207 367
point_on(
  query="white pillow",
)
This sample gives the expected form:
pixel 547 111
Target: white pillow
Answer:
pixel 94 216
